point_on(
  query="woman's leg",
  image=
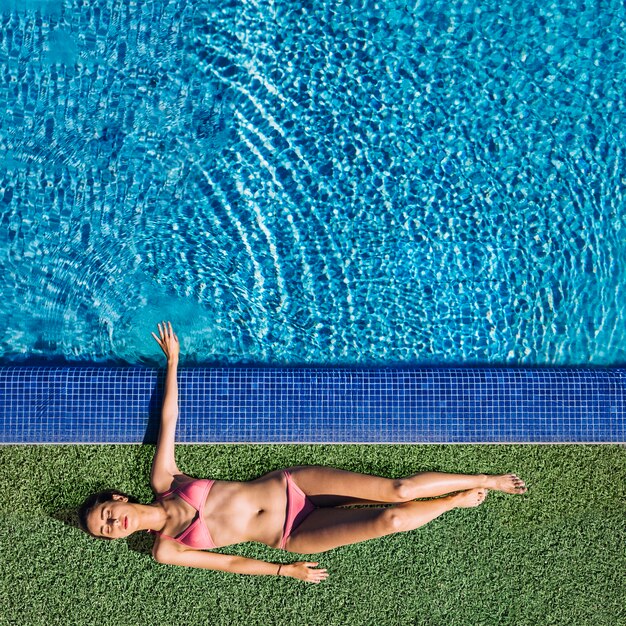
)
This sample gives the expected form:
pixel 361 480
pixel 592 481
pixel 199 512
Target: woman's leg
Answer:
pixel 329 528
pixel 327 486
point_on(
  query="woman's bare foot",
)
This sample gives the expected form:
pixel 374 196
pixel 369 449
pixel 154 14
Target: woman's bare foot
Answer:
pixel 509 483
pixel 470 498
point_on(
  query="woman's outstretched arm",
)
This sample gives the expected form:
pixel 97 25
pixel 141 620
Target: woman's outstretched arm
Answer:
pixel 164 466
pixel 302 570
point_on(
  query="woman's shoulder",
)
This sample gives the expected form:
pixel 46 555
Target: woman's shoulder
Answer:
pixel 163 488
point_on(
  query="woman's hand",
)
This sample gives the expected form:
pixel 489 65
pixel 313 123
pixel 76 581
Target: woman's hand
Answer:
pixel 168 341
pixel 303 570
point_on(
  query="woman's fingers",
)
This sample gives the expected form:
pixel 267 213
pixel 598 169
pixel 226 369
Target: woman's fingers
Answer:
pixel 317 576
pixel 166 331
pixel 166 335
pixel 314 575
pixel 171 331
pixel 306 571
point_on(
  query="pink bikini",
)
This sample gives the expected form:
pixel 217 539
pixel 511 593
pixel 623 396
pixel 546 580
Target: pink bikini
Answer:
pixel 298 508
pixel 195 493
pixel 196 535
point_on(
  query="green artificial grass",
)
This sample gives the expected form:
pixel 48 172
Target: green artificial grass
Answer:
pixel 554 556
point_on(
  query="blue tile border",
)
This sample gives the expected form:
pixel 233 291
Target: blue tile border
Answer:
pixel 315 405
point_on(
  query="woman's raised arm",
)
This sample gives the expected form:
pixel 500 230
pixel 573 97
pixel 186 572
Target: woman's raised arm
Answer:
pixel 164 466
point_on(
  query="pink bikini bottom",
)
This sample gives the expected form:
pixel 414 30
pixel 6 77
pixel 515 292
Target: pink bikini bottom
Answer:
pixel 298 508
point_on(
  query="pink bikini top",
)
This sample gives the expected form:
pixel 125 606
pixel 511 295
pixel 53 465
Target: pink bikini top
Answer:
pixel 196 535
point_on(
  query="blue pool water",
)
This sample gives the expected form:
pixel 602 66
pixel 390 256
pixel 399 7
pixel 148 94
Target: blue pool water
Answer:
pixel 372 182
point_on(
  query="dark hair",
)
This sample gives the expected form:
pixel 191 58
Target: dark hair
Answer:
pixel 93 501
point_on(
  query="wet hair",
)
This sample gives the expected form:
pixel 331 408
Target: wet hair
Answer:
pixel 93 501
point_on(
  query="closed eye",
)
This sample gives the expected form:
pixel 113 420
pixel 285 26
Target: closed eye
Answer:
pixel 104 516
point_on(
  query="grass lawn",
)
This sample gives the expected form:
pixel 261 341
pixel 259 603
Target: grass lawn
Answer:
pixel 554 556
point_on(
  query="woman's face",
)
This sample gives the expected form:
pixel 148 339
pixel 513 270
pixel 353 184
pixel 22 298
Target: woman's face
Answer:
pixel 114 519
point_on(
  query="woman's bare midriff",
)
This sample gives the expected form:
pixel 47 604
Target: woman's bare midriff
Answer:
pixel 247 511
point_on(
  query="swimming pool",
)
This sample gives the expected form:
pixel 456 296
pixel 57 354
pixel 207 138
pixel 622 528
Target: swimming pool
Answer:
pixel 385 182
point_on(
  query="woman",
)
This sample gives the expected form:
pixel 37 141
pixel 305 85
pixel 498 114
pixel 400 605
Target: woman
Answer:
pixel 297 510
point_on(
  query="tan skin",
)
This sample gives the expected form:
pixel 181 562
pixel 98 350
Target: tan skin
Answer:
pixel 236 512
